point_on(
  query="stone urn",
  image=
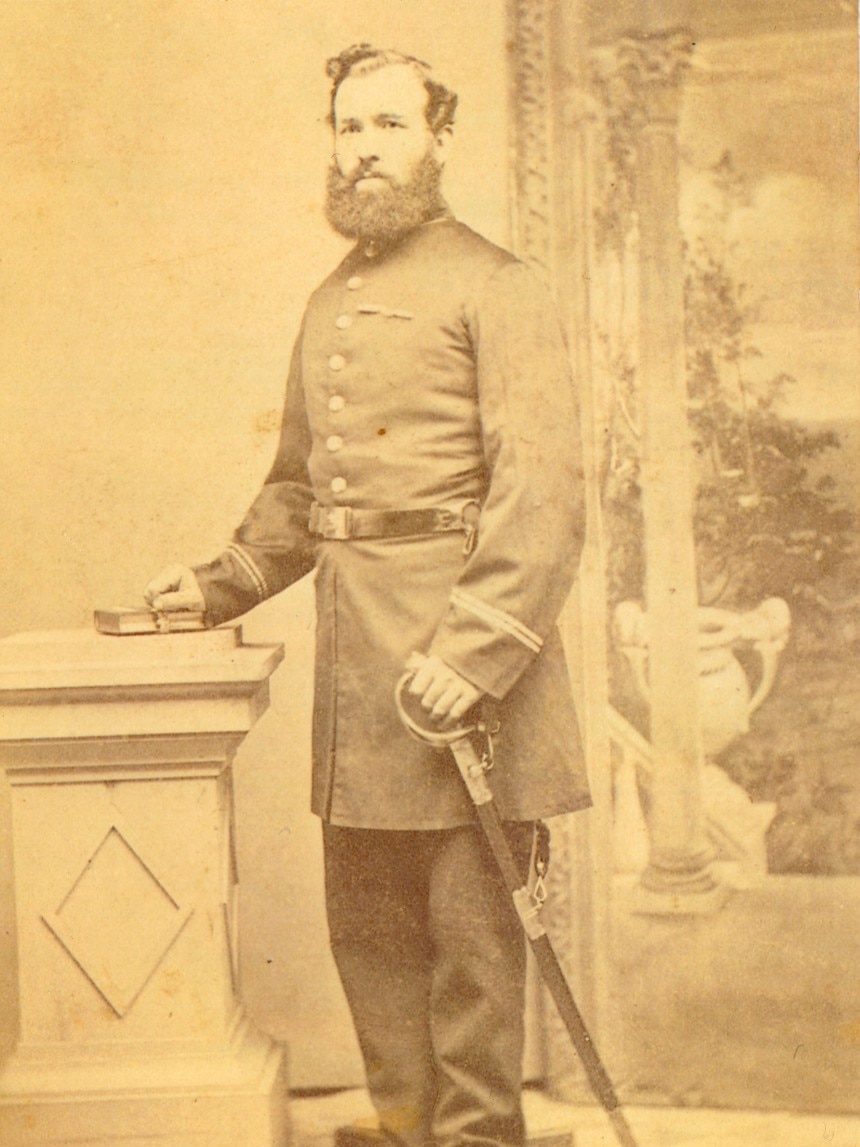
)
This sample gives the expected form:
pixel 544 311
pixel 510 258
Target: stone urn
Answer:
pixel 735 825
pixel 726 698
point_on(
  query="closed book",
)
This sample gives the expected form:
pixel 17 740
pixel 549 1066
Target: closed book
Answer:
pixel 128 620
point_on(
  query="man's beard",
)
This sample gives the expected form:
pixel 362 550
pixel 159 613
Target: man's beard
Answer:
pixel 389 210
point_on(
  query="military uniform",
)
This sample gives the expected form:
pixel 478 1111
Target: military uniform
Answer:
pixel 429 470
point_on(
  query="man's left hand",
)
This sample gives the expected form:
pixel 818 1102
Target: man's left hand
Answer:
pixel 444 694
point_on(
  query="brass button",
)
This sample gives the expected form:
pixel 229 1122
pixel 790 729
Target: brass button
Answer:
pixel 337 362
pixel 343 321
pixel 338 485
pixel 336 403
pixel 354 283
pixel 333 443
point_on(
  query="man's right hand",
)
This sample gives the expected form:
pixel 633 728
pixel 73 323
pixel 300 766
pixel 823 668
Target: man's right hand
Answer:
pixel 175 588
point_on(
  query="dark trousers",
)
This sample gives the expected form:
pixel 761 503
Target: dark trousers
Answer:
pixel 432 960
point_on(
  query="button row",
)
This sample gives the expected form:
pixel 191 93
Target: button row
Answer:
pixel 337 402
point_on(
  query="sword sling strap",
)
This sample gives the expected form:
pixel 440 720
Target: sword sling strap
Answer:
pixel 539 862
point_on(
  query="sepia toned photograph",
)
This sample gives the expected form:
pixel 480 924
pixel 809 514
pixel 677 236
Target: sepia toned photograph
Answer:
pixel 429 676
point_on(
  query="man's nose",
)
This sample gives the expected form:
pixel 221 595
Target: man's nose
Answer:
pixel 367 151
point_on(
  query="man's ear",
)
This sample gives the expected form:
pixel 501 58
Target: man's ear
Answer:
pixel 444 143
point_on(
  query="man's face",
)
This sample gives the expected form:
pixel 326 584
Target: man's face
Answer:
pixel 381 130
pixel 385 175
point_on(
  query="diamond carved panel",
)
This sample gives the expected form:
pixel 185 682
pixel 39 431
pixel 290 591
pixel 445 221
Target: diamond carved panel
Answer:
pixel 117 921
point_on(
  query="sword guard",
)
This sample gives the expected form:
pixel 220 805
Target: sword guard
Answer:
pixel 414 717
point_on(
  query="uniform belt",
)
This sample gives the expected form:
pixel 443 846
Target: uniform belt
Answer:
pixel 340 523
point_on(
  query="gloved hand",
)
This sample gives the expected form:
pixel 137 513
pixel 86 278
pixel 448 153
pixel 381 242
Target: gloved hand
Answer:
pixel 444 694
pixel 175 588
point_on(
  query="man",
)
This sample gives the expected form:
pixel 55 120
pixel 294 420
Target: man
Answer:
pixel 428 470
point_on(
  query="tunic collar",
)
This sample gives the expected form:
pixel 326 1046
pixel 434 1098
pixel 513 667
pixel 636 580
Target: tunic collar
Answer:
pixel 373 249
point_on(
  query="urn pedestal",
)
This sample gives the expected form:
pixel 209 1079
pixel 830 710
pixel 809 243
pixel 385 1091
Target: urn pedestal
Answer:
pixel 118 753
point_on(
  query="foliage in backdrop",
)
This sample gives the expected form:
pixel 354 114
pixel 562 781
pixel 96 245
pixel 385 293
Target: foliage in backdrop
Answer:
pixel 770 516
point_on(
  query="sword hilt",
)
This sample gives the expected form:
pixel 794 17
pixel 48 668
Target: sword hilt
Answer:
pixel 414 717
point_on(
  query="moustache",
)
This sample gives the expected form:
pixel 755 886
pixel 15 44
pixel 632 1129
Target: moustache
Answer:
pixel 368 173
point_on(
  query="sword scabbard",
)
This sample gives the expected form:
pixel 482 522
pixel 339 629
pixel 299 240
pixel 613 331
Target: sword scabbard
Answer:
pixel 472 771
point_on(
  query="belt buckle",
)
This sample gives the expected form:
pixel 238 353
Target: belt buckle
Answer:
pixel 336 524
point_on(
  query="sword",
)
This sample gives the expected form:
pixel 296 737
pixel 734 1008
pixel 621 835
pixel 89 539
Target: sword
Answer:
pixel 473 769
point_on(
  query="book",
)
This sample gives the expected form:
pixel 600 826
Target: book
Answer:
pixel 122 621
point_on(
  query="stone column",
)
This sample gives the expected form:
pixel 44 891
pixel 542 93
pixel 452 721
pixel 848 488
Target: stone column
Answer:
pixel 677 877
pixel 586 849
pixel 552 121
pixel 118 753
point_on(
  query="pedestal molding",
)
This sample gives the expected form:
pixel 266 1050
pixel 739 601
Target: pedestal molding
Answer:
pixel 82 760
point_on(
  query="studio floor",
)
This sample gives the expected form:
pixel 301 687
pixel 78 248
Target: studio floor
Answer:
pixel 315 1118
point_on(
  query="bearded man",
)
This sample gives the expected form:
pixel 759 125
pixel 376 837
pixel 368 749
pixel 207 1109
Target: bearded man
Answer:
pixel 429 472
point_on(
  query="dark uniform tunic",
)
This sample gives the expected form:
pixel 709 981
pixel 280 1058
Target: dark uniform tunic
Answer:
pixel 430 374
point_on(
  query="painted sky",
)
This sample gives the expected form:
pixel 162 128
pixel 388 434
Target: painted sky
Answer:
pixel 786 107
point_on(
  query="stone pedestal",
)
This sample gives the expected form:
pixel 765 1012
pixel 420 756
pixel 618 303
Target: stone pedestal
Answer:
pixel 118 752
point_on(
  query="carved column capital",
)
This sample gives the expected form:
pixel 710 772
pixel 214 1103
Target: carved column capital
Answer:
pixel 656 65
pixel 579 105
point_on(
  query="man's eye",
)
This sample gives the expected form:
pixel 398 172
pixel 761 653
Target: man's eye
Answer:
pixel 392 123
pixel 349 129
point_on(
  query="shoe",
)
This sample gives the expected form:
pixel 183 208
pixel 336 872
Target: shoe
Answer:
pixel 361 1133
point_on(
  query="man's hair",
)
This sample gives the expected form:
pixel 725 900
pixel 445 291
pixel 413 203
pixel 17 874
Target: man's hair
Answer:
pixel 361 59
